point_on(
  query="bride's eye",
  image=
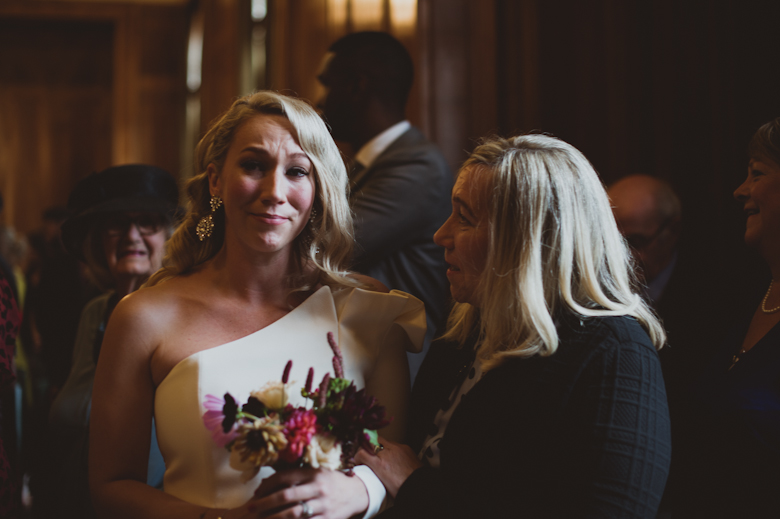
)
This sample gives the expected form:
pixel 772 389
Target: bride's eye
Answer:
pixel 252 166
pixel 297 172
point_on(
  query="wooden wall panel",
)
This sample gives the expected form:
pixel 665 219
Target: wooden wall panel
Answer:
pixel 56 121
pixel 226 32
pixel 83 87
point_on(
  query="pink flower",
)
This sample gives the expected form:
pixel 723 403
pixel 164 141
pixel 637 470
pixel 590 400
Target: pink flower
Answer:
pixel 214 419
pixel 299 427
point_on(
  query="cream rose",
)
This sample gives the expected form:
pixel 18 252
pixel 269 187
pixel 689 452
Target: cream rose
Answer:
pixel 323 451
pixel 273 394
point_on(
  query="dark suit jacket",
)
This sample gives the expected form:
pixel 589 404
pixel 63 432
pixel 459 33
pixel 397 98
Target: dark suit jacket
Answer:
pixel 399 202
pixel 582 433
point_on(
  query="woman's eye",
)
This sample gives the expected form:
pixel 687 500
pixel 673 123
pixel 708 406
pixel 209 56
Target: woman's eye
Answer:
pixel 297 172
pixel 251 166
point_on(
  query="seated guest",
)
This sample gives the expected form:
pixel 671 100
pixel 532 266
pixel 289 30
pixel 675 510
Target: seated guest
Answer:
pixel 120 220
pixel 731 451
pixel 550 402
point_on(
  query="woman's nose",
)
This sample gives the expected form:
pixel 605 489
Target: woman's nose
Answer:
pixel 442 237
pixel 742 193
pixel 273 188
pixel 132 233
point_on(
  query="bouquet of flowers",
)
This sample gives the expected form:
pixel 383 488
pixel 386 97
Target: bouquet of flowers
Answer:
pixel 268 431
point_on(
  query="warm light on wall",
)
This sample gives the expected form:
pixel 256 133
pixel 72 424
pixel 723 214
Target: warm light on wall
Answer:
pixel 403 16
pixel 367 14
pixel 337 13
pixel 195 52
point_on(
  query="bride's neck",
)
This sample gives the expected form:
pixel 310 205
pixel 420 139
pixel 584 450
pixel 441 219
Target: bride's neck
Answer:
pixel 263 276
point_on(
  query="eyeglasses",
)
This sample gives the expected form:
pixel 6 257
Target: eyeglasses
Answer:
pixel 146 224
pixel 642 241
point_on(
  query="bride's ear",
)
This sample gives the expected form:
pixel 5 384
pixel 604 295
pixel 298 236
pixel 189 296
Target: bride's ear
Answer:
pixel 214 180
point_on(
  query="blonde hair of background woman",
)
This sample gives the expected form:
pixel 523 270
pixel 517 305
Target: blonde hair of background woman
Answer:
pixel 326 243
pixel 554 248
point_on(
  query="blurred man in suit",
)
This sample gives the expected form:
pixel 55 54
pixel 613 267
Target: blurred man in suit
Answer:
pixel 400 183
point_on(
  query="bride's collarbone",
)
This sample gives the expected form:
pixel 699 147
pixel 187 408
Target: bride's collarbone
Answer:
pixel 205 330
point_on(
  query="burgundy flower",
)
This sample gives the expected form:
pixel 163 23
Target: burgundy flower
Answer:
pixel 254 407
pixel 338 359
pixel 358 411
pixel 286 374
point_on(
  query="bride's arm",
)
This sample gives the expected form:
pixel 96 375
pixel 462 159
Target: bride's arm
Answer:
pixel 121 421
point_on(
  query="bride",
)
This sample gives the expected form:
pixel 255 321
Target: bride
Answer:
pixel 254 277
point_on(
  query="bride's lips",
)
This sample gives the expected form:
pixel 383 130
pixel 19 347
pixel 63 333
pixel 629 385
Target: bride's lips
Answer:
pixel 271 219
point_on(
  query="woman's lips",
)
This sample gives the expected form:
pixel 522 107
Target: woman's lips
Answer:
pixel 270 219
pixel 132 253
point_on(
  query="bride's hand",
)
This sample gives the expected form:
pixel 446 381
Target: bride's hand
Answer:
pixel 392 465
pixel 326 494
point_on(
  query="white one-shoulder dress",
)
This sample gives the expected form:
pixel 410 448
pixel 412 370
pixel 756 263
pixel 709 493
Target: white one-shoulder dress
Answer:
pixel 364 324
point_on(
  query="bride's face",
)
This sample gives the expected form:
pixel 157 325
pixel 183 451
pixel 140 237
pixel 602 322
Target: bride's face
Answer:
pixel 266 184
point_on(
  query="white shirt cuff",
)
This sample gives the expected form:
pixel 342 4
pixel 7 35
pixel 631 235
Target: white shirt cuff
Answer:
pixel 376 490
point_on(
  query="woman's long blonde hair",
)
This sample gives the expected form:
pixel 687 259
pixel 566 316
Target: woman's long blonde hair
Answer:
pixel 554 248
pixel 326 242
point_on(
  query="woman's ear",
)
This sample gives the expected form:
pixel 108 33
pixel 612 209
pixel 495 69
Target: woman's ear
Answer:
pixel 214 184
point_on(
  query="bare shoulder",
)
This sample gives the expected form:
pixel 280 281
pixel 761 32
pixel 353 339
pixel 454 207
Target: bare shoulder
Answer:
pixel 141 316
pixel 370 283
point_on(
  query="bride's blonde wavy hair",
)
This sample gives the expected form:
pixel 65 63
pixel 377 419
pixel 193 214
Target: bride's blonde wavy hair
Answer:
pixel 326 242
pixel 554 248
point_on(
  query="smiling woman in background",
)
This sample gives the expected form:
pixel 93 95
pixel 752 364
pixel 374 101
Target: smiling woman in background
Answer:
pixel 120 219
pixel 730 453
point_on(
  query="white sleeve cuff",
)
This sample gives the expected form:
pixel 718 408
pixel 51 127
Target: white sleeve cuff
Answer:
pixel 376 490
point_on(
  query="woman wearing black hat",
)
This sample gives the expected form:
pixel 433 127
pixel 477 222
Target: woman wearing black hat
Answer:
pixel 253 277
pixel 120 220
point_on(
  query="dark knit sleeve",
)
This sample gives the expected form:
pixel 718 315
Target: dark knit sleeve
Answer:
pixel 624 449
pixel 424 495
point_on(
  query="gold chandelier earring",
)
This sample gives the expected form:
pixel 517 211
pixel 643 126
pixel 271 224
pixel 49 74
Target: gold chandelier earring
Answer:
pixel 206 224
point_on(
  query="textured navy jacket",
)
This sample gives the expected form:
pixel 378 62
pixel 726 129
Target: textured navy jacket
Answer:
pixel 582 433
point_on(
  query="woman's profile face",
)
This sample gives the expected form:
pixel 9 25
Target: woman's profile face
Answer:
pixel 134 244
pixel 266 185
pixel 760 196
pixel 465 236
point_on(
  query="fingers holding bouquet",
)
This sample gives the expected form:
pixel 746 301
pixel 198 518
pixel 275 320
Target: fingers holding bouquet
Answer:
pixel 392 463
pixel 308 492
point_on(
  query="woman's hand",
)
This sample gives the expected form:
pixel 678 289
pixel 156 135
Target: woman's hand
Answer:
pixel 393 464
pixel 327 494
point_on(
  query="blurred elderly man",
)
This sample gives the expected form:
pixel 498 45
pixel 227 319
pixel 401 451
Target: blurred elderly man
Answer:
pixel 649 215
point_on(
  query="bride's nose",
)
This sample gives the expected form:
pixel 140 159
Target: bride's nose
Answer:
pixel 273 189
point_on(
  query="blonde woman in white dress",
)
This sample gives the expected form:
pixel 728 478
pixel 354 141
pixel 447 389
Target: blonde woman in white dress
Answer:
pixel 255 276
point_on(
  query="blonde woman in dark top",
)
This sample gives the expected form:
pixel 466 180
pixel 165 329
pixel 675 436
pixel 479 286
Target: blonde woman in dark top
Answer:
pixel 546 398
